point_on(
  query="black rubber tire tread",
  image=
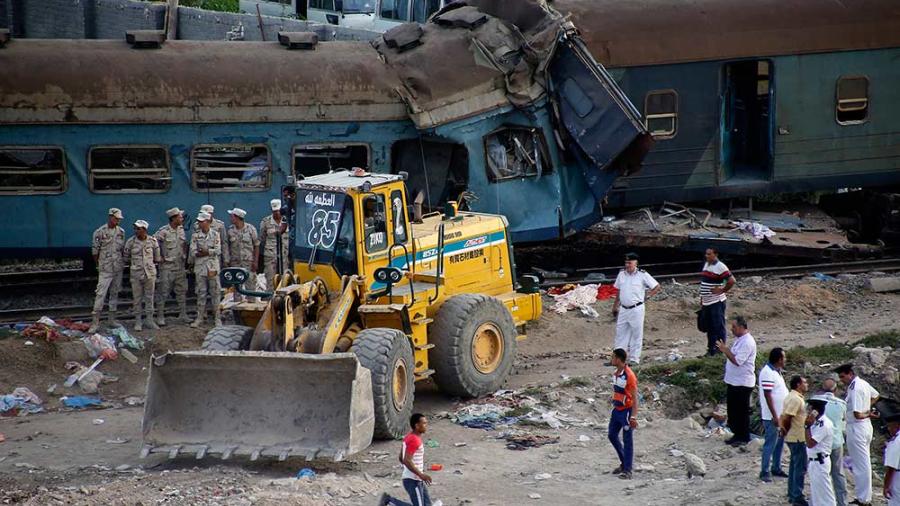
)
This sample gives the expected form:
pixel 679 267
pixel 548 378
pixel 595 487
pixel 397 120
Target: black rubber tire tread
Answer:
pixel 377 349
pixel 228 338
pixel 452 332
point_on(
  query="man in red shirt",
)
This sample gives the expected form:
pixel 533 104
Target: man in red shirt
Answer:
pixel 624 413
pixel 412 457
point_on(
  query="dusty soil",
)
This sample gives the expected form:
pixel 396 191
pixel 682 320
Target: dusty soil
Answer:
pixel 63 457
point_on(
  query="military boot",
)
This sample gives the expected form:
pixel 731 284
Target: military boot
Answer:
pixel 201 310
pixel 182 314
pixel 151 324
pixel 111 319
pixel 95 323
pixel 161 316
pixel 218 319
pixel 137 322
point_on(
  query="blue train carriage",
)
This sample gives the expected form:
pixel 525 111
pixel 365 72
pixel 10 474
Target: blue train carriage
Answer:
pixel 90 124
pixel 749 98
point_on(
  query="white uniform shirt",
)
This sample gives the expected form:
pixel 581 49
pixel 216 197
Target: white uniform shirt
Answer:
pixel 743 374
pixel 770 379
pixel 859 398
pixel 823 432
pixel 633 286
pixel 892 460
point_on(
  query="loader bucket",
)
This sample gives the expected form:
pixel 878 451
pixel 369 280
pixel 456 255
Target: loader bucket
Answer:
pixel 257 403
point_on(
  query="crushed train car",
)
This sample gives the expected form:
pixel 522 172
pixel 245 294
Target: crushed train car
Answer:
pixel 505 107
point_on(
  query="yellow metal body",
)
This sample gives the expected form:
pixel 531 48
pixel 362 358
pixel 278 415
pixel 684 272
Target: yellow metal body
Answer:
pixel 474 256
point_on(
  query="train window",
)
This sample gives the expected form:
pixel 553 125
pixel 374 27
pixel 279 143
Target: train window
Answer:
pixel 234 167
pixel 515 153
pixel 395 9
pixel 312 160
pixel 115 169
pixel 326 5
pixel 423 9
pixel 661 113
pixel 32 170
pixel 852 105
pixel 374 223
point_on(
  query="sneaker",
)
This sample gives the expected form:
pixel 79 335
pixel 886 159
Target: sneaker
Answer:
pixel 626 475
pixel 766 478
pixel 617 470
pixel 860 503
pixel 384 500
pixel 779 474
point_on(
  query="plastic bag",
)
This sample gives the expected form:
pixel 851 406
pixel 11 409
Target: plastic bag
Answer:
pixel 98 345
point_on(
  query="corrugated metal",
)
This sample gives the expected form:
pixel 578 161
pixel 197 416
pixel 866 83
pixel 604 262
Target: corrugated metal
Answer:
pixel 647 32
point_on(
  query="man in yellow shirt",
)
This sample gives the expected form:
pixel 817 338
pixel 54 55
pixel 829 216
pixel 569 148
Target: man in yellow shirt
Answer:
pixel 793 417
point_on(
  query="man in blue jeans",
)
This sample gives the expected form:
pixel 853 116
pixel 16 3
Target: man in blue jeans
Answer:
pixel 772 392
pixel 793 420
pixel 623 418
pixel 412 457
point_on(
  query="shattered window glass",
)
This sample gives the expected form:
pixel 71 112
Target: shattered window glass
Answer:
pixel 852 100
pixel 129 169
pixel 32 170
pixel 661 113
pixel 515 153
pixel 395 9
pixel 231 168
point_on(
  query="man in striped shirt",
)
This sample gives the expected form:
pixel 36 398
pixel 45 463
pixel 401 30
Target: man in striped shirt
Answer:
pixel 623 419
pixel 715 280
pixel 412 457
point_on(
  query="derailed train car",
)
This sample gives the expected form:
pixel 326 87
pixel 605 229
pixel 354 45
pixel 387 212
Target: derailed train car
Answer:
pixel 503 106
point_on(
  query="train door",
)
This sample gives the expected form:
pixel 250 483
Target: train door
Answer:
pixel 437 171
pixel 747 122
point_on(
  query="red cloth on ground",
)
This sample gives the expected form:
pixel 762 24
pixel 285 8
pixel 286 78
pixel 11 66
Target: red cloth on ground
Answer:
pixel 606 292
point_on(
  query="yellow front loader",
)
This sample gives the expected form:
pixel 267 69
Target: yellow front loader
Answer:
pixel 374 302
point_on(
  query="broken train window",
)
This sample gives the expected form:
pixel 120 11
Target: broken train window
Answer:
pixel 852 100
pixel 661 113
pixel 516 152
pixel 312 160
pixel 129 169
pixel 32 170
pixel 236 167
pixel 395 9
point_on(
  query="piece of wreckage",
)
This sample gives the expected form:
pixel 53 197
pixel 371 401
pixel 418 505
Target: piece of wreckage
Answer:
pixel 495 103
pixel 317 346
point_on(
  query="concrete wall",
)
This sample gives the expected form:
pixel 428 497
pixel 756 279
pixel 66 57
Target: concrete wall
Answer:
pixel 110 19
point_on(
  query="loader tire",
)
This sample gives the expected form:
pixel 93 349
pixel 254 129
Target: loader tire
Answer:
pixel 387 353
pixel 474 339
pixel 228 338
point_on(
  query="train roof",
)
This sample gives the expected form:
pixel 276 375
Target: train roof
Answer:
pixel 75 81
pixel 651 32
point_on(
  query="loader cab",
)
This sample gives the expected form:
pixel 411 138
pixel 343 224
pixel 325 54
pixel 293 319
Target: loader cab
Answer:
pixel 349 225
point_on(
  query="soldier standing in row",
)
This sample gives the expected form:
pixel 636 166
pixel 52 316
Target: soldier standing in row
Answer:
pixel 106 247
pixel 206 251
pixel 172 273
pixel 269 228
pixel 219 226
pixel 243 247
pixel 142 255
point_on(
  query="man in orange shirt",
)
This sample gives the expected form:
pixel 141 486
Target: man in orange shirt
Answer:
pixel 624 413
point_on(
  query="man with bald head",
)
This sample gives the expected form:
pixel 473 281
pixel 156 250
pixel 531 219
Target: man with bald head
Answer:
pixel 836 411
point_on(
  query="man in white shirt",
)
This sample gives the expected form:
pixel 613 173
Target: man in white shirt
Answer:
pixel 634 286
pixel 892 461
pixel 836 411
pixel 819 434
pixel 860 398
pixel 772 392
pixel 740 377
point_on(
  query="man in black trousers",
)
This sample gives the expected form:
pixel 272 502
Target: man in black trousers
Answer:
pixel 740 377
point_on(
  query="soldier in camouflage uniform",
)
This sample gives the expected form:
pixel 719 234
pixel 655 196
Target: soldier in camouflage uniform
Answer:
pixel 219 227
pixel 269 229
pixel 172 273
pixel 142 255
pixel 106 246
pixel 243 247
pixel 205 250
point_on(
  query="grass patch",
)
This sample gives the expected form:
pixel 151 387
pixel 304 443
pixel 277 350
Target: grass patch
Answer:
pixel 213 5
pixel 888 338
pixel 835 354
pixel 532 391
pixel 687 374
pixel 577 381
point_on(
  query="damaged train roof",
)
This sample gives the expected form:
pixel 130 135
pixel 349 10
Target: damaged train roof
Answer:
pixel 471 58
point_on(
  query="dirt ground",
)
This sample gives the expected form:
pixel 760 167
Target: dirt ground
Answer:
pixel 67 457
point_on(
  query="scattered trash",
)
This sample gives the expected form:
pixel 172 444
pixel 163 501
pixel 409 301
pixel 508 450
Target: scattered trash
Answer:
pixel 74 326
pixel 432 443
pixel 694 465
pixel 43 331
pixel 580 297
pixel 583 439
pixel 128 355
pixel 29 343
pixel 534 495
pixel 86 377
pixel 98 421
pixel 436 467
pixel 20 402
pixel 823 277
pixel 47 321
pixel 676 453
pixel 80 401
pixel 518 441
pixel 674 355
pixel 122 468
pixel 51 388
pixel 2 437
pixel 117 441
pixel 128 340
pixel 134 401
pixel 306 473
pixel 99 345
pixel 605 292
pixel 542 476
pixel 459 445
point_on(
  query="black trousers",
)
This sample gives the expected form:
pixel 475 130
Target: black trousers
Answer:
pixel 715 326
pixel 738 402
